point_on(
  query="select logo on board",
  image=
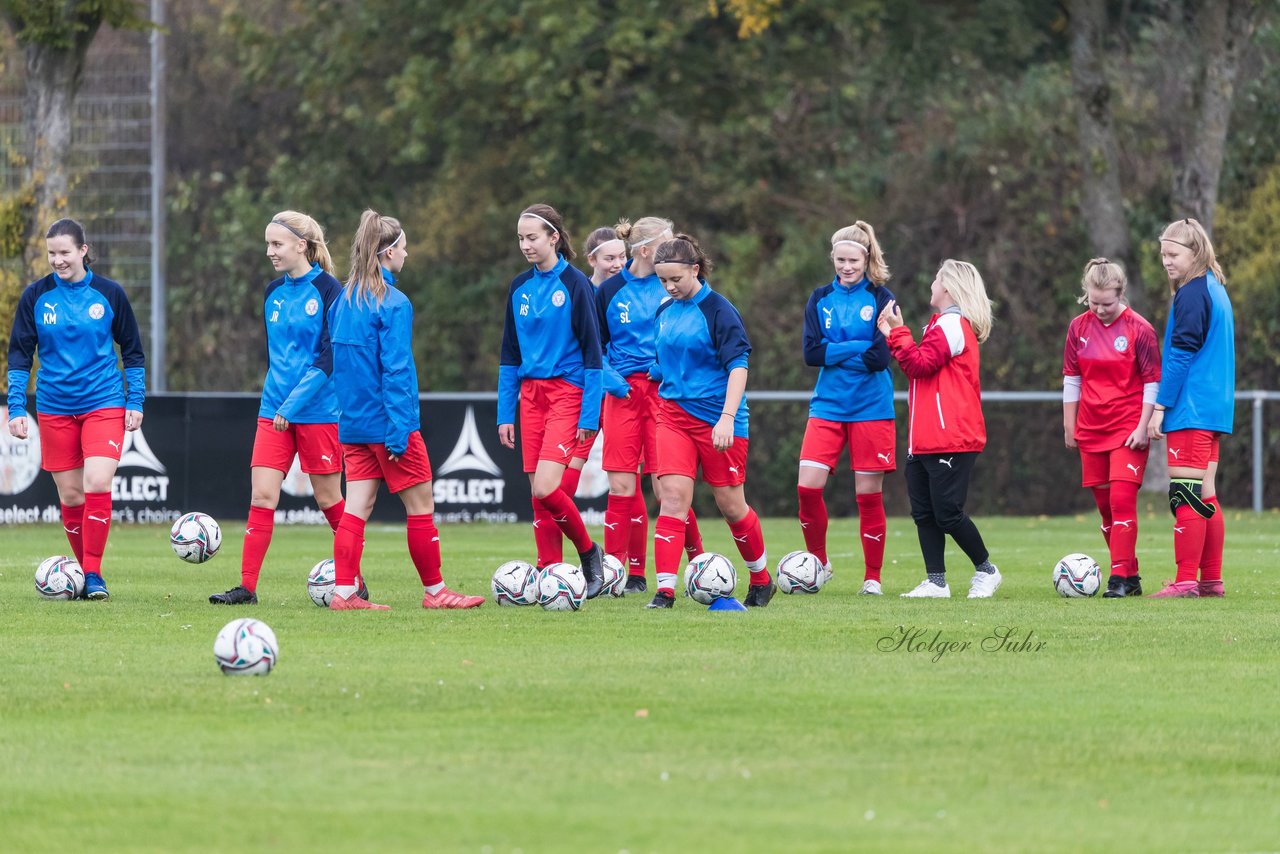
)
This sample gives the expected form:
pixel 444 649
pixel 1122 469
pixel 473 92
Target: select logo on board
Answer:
pixel 469 455
pixel 137 454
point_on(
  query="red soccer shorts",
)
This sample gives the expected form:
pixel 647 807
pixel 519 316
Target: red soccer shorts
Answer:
pixel 1193 449
pixel 66 440
pixel 684 443
pixel 583 449
pixel 631 426
pixel 549 413
pixel 1123 464
pixel 372 462
pixel 871 444
pixel 317 447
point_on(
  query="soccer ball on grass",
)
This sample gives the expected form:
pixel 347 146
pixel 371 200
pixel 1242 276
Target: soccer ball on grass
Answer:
pixel 195 537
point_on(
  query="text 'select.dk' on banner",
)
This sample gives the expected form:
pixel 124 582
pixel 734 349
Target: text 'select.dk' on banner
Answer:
pixel 193 452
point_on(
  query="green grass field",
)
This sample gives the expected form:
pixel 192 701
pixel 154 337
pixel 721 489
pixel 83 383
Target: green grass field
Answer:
pixel 1137 725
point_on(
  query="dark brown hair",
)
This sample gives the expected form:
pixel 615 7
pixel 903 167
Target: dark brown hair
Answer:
pixel 683 249
pixel 70 228
pixel 543 212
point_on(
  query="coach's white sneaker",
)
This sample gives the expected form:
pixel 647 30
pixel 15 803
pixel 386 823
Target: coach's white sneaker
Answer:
pixel 928 590
pixel 871 587
pixel 985 584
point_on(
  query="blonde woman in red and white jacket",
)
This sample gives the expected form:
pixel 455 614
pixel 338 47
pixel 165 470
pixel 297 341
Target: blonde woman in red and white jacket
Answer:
pixel 945 430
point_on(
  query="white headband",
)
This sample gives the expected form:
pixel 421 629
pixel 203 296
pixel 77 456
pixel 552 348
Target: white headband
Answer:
pixel 666 232
pixel 606 243
pixel 851 243
pixel 554 230
pixel 392 244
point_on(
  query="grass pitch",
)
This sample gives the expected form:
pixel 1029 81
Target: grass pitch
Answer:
pixel 1095 725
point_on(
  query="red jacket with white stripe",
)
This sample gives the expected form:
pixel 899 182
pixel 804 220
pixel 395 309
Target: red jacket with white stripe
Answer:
pixel 945 398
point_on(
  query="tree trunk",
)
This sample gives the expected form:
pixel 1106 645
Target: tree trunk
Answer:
pixel 52 80
pixel 1225 29
pixel 1102 200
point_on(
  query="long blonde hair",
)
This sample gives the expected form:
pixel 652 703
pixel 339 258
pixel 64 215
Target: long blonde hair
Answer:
pixel 309 230
pixel 1191 234
pixel 374 236
pixel 962 280
pixel 1102 274
pixel 864 235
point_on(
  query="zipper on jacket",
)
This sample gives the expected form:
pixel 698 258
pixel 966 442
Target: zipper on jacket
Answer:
pixel 938 397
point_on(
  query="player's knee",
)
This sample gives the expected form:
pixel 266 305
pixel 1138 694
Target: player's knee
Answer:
pixel 1189 492
pixel 950 518
pixel 265 500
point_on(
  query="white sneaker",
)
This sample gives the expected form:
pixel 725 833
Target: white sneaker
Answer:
pixel 928 590
pixel 984 584
pixel 826 569
pixel 871 587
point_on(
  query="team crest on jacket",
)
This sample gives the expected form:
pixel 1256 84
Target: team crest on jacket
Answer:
pixel 96 311
pixel 865 314
pixel 557 299
pixel 312 306
pixel 1121 344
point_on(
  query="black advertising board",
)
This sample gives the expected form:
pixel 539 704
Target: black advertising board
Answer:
pixel 193 452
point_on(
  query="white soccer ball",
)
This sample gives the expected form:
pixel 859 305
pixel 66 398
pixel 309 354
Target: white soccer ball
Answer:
pixel 59 577
pixel 562 587
pixel 615 577
pixel 1076 576
pixel 515 583
pixel 195 537
pixel 800 572
pixel 709 577
pixel 246 647
pixel 320 582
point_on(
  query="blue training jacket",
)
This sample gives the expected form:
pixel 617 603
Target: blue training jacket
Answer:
pixel 1198 377
pixel 296 315
pixel 374 374
pixel 551 332
pixel 841 338
pixel 627 308
pixel 75 326
pixel 700 340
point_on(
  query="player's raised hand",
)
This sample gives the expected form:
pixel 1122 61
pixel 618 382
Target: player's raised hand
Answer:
pixel 890 318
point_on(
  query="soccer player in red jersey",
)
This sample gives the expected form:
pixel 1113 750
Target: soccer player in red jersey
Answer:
pixel 299 411
pixel 1196 404
pixel 1111 373
pixel 75 319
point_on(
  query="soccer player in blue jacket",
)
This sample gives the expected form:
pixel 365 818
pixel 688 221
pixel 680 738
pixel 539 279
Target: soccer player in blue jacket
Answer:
pixel 852 402
pixel 627 306
pixel 551 366
pixel 74 319
pixel 702 352
pixel 299 410
pixel 1195 406
pixel 371 327
pixel 605 255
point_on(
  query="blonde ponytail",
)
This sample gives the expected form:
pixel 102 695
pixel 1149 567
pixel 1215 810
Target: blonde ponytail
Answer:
pixel 374 235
